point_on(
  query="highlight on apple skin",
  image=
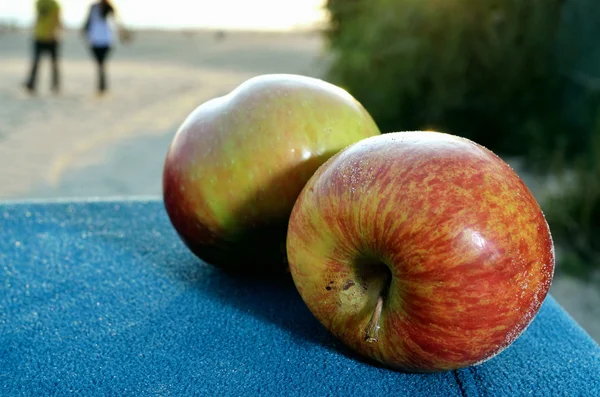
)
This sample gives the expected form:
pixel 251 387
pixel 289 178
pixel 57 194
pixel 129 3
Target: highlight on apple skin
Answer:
pixel 238 162
pixel 423 251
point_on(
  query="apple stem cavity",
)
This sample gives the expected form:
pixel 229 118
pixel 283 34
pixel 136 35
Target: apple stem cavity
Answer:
pixel 376 277
pixel 373 326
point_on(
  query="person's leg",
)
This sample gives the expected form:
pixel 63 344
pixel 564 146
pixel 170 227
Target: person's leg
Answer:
pixel 54 54
pixel 100 54
pixel 37 49
pixel 104 67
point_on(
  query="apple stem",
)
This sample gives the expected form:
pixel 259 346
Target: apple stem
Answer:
pixel 373 326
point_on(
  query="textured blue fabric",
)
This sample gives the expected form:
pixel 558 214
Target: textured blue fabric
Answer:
pixel 102 298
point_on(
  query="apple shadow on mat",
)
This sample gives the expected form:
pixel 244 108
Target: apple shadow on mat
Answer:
pixel 270 300
pixel 273 300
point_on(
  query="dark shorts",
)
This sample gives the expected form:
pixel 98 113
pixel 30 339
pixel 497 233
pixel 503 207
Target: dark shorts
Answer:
pixel 100 53
pixel 50 47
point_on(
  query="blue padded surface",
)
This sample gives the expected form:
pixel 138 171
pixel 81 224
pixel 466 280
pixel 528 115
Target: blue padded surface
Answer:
pixel 102 298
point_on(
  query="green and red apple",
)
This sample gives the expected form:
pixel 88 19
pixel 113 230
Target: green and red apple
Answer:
pixel 421 250
pixel 238 162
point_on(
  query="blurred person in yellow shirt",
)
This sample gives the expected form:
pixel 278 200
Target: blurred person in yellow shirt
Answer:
pixel 46 40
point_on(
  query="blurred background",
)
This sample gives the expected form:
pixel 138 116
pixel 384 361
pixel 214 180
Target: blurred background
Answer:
pixel 521 77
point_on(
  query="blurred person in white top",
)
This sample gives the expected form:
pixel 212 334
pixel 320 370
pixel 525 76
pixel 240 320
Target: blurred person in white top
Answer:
pixel 100 30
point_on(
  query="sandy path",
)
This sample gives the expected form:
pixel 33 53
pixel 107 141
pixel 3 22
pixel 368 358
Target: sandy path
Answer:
pixel 155 84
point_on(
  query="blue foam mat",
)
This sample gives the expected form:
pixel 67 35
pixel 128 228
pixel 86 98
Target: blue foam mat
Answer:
pixel 102 298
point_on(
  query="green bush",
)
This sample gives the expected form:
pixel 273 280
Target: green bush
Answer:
pixel 518 76
pixel 486 70
pixel 573 213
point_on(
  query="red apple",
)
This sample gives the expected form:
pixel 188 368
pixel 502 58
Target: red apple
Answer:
pixel 238 162
pixel 421 250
